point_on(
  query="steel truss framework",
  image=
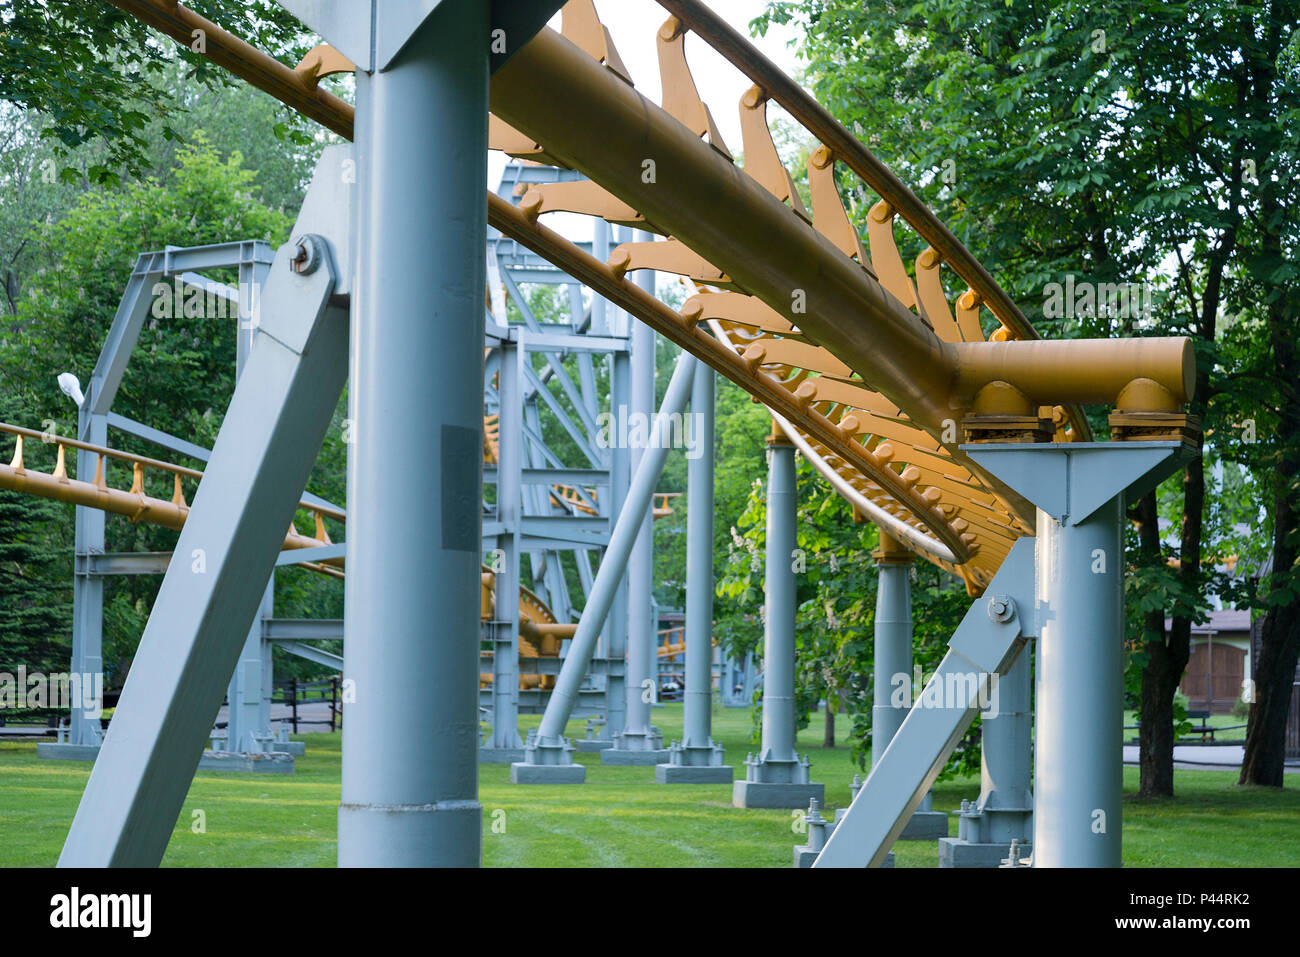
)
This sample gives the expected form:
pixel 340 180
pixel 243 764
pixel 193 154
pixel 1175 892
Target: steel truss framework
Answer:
pixel 944 437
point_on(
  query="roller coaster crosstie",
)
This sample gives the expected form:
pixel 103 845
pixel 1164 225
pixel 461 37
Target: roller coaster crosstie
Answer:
pixel 918 390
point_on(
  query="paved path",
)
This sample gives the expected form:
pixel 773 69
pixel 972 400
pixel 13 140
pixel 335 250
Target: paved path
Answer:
pixel 1210 757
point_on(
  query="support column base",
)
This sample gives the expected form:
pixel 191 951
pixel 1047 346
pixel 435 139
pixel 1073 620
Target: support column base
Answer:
pixel 694 774
pixel 955 852
pixel 628 757
pixel 925 826
pixel 765 795
pixel 547 762
pixel 521 772
pixel 274 762
pixel 804 857
pixel 500 755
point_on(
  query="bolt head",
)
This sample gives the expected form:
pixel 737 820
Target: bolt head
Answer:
pixel 1001 608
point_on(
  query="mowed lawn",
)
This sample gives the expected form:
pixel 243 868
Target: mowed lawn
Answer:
pixel 619 818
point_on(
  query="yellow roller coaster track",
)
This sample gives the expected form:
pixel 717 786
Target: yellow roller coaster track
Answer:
pixel 539 632
pixel 872 371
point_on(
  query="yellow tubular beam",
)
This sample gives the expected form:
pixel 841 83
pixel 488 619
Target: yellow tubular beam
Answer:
pixel 555 93
pixel 1087 371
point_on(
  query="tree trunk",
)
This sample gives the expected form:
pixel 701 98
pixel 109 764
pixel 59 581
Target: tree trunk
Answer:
pixel 1159 680
pixel 828 734
pixel 1279 647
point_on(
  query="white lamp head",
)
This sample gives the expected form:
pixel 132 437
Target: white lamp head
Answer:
pixel 71 387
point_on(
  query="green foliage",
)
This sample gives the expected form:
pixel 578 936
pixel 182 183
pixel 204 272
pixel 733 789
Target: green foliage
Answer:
pixel 99 73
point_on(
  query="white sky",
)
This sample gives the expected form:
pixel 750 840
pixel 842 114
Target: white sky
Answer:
pixel 633 25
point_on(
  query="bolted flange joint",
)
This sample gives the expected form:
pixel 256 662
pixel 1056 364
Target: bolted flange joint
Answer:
pixel 1002 608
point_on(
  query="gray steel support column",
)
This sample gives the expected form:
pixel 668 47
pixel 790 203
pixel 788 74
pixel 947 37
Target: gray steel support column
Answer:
pixel 1080 489
pixel 778 778
pixel 504 743
pixel 893 641
pixel 698 758
pixel 893 654
pixel 613 645
pixel 697 732
pixel 639 734
pixel 235 529
pixel 620 478
pixel 88 590
pixel 410 742
pixel 547 757
pixel 248 696
pixel 1004 811
pixel 1078 784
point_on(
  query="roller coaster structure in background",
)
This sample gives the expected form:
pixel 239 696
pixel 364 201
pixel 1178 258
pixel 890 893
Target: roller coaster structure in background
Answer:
pixel 967 452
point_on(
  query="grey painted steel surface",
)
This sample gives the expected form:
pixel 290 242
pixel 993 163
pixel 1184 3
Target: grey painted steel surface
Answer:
pixel 778 777
pixel 1079 489
pixel 901 777
pixel 698 759
pixel 1080 721
pixel 697 732
pixel 260 463
pixel 504 735
pixel 641 690
pixel 550 734
pixel 893 650
pixel 410 742
pixel 778 755
pixel 893 655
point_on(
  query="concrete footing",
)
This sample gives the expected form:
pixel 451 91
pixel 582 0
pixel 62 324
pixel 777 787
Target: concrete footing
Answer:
pixel 521 772
pixel 701 774
pixel 625 756
pixel 762 794
pixel 955 852
pixel 592 745
pixel 500 755
pixel 53 751
pixel 925 826
pixel 274 762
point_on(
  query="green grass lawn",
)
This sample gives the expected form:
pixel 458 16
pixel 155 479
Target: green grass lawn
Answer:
pixel 619 818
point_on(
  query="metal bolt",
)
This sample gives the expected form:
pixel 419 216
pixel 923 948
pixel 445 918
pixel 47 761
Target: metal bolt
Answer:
pixel 307 255
pixel 1002 608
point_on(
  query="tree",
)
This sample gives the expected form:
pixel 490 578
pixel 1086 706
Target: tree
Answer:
pixel 1112 142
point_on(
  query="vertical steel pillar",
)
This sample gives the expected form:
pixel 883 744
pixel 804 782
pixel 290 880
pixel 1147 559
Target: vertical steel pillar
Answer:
pixel 640 742
pixel 699 569
pixel 504 743
pixel 1078 784
pixel 697 758
pixel 893 652
pixel 88 590
pixel 778 778
pixel 1004 811
pixel 893 642
pixel 613 322
pixel 1079 489
pixel 248 696
pixel 410 749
